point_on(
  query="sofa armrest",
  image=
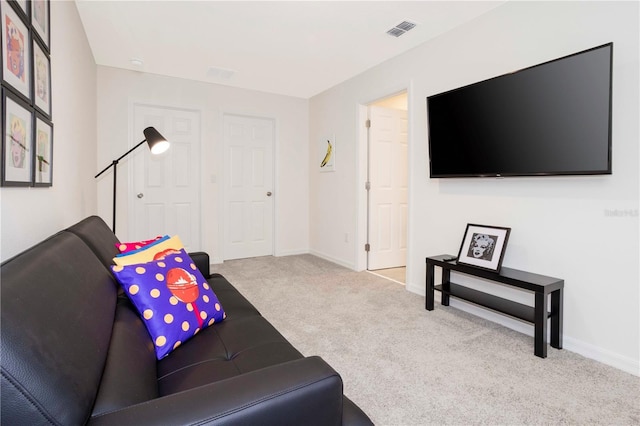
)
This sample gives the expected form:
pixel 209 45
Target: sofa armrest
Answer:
pixel 201 259
pixel 306 391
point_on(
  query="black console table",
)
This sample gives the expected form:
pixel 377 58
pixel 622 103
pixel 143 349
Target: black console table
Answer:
pixel 541 285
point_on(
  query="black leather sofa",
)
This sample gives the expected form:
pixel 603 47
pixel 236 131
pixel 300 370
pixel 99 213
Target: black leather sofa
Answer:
pixel 75 351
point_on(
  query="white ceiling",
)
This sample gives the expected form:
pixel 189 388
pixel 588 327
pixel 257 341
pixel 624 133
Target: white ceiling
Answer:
pixel 293 48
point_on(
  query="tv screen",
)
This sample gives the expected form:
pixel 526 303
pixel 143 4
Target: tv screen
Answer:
pixel 549 119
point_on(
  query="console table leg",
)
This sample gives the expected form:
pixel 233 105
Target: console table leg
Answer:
pixel 446 287
pixel 428 300
pixel 556 318
pixel 540 324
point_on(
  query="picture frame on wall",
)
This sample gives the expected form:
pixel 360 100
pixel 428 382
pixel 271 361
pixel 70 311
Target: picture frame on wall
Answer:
pixel 43 152
pixel 41 79
pixel 22 7
pixel 40 21
pixel 16 52
pixel 17 141
pixel 327 154
pixel 484 246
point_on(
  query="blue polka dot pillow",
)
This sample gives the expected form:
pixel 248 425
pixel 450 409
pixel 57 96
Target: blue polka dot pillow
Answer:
pixel 172 297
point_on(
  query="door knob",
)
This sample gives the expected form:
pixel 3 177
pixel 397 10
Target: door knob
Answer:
pixel 269 194
pixel 140 195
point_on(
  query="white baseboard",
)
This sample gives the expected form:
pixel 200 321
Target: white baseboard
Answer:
pixel 282 253
pixel 416 289
pixel 332 259
pixel 604 356
pixel 569 343
pixel 219 260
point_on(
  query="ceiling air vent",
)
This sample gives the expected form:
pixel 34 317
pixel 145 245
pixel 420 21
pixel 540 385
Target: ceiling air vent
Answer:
pixel 221 73
pixel 401 28
pixel 405 25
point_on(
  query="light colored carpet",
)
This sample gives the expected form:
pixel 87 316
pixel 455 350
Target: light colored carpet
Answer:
pixel 404 365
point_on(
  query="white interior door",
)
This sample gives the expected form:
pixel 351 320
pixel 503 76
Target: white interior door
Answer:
pixel 388 175
pixel 248 187
pixel 166 187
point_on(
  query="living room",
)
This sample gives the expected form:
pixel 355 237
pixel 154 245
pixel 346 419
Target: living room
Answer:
pixel 581 228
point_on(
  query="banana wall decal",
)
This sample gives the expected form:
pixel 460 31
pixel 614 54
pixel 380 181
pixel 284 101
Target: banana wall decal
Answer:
pixel 327 156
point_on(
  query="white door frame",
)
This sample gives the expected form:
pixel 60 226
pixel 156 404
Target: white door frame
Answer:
pixel 222 175
pixel 361 168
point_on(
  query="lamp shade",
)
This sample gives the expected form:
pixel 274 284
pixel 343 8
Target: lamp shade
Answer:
pixel 157 143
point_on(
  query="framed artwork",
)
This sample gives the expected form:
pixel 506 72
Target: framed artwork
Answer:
pixel 327 154
pixel 17 141
pixel 484 246
pixel 22 7
pixel 41 79
pixel 43 160
pixel 40 21
pixel 16 52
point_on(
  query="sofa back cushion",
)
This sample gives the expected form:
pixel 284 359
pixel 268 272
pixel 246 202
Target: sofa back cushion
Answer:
pixel 57 311
pixel 97 235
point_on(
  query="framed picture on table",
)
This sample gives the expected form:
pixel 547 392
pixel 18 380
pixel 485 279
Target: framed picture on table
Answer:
pixel 484 246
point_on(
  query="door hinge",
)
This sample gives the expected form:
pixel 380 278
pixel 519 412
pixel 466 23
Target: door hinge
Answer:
pixel 367 124
pixel 367 247
pixel 367 186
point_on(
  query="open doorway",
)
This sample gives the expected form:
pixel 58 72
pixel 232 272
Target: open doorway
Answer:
pixel 387 187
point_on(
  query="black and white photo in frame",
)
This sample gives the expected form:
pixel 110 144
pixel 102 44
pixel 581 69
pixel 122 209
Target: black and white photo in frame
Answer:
pixel 484 246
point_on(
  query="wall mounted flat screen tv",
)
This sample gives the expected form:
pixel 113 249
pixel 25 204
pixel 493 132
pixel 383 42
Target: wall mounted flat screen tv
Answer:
pixel 550 119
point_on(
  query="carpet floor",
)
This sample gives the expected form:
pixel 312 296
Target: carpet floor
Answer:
pixel 404 365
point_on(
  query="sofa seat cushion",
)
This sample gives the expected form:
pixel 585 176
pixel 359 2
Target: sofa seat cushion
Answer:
pixel 130 376
pixel 225 350
pixel 243 342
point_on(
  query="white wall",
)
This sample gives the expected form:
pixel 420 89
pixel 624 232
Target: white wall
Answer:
pixel 561 226
pixel 32 214
pixel 119 89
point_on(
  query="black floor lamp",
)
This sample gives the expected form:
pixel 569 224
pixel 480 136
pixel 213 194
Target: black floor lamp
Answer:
pixel 157 144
